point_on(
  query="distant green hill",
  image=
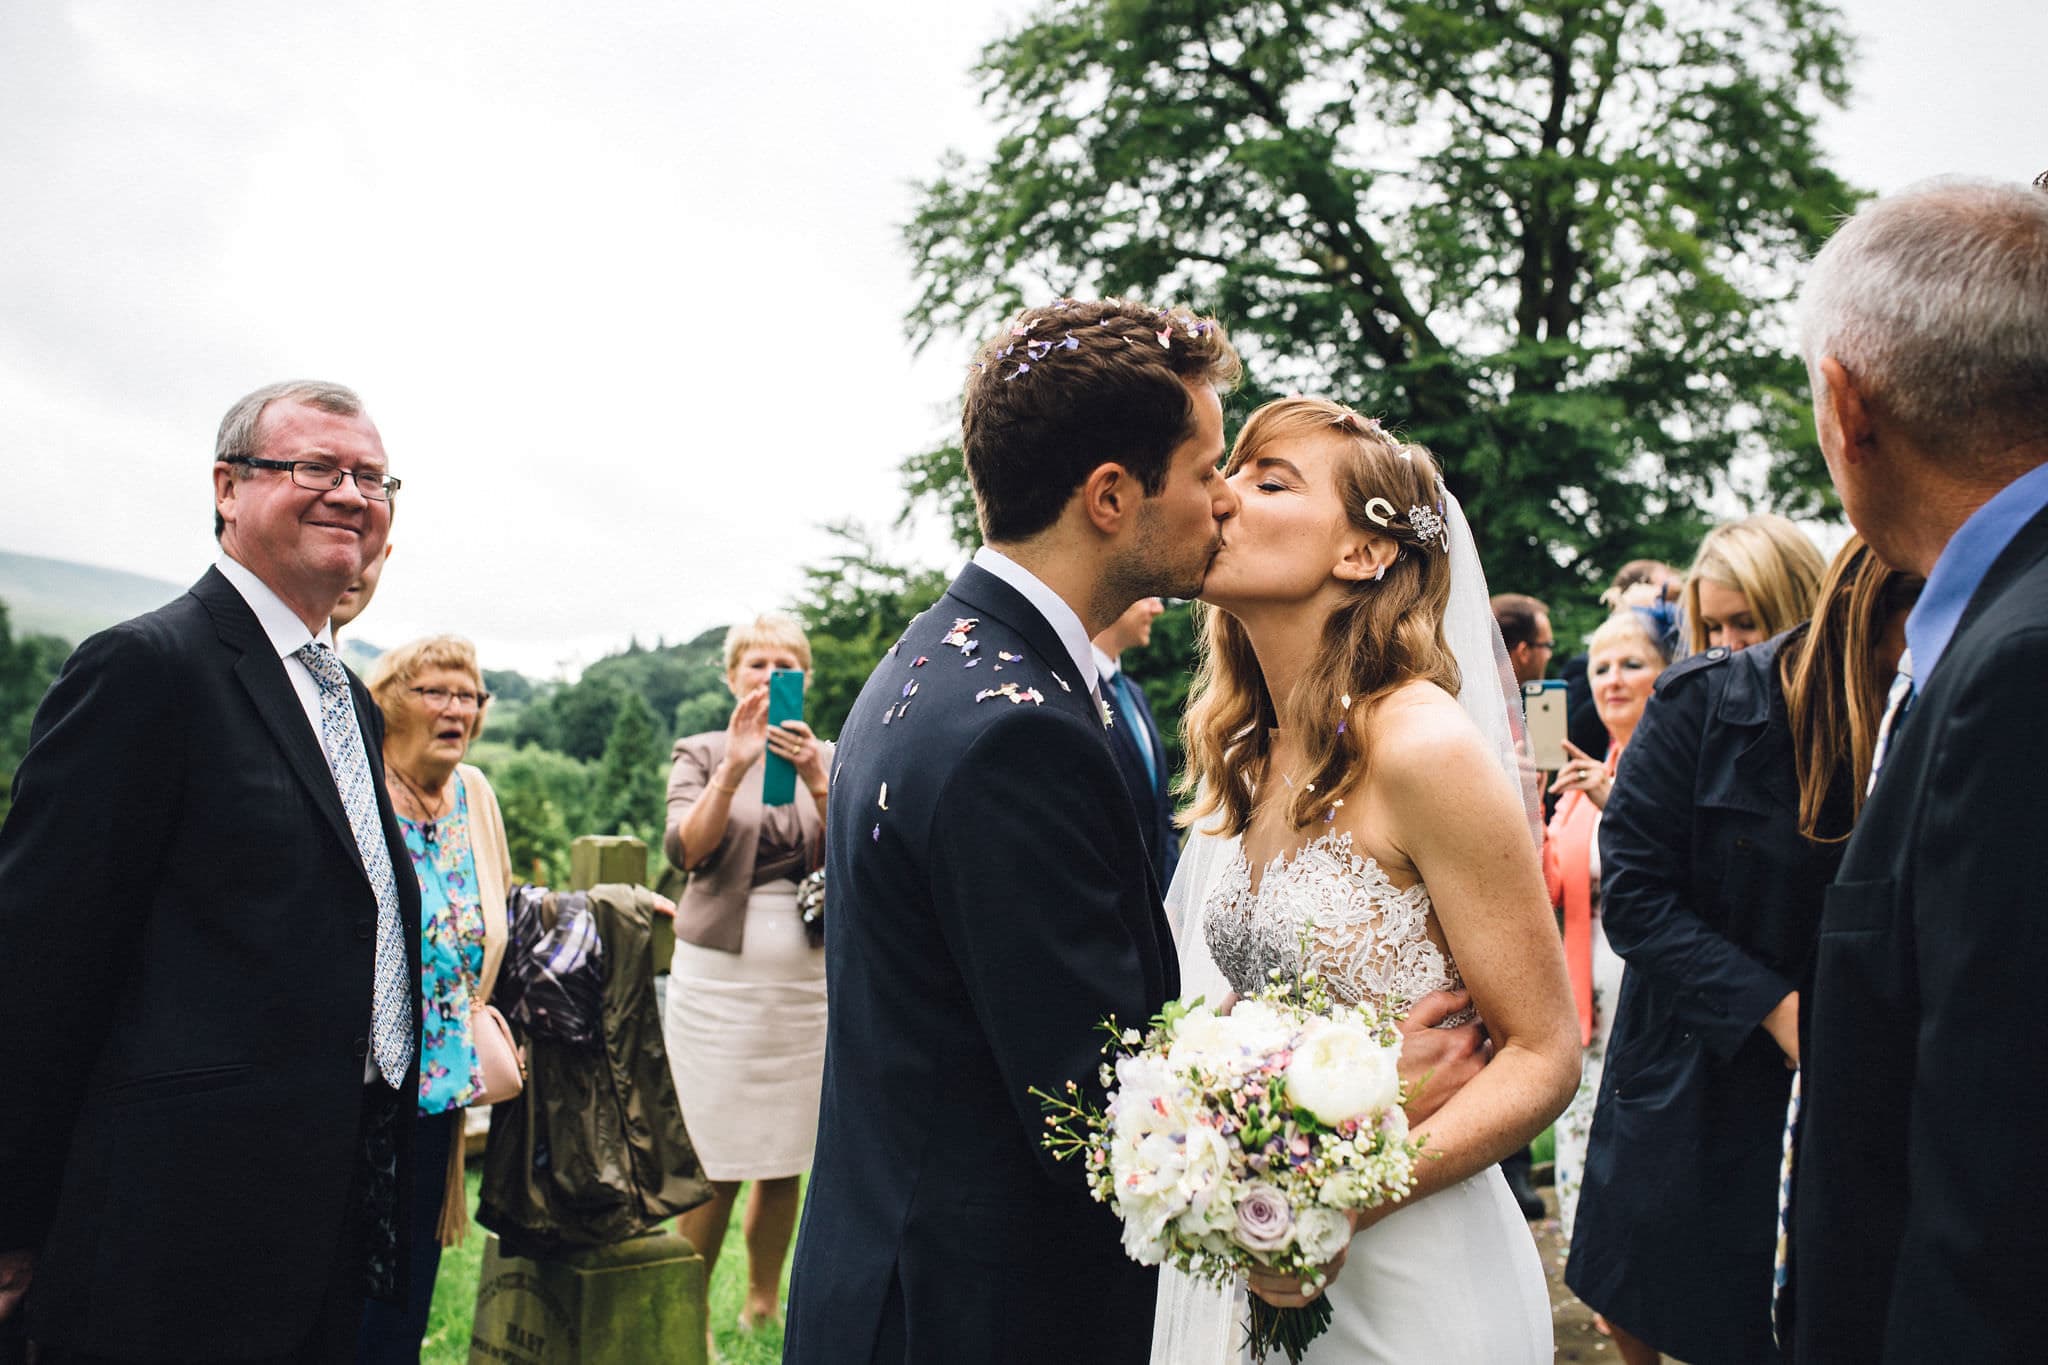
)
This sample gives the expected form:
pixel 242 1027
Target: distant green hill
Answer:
pixel 59 597
pixel 71 601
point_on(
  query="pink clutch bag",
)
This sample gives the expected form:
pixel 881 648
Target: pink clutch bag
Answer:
pixel 500 1070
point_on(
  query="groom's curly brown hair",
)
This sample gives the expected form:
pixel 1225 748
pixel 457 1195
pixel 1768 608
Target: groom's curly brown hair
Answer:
pixel 1073 385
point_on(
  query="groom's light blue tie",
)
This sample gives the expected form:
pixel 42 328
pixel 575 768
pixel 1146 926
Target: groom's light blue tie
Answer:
pixel 1897 703
pixel 342 740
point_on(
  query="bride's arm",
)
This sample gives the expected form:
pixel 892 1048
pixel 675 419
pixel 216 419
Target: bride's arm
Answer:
pixel 1455 815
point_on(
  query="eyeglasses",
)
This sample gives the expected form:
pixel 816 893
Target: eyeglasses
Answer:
pixel 440 698
pixel 318 477
pixel 1543 644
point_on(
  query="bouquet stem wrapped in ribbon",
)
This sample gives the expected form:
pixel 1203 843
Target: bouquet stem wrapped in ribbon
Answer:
pixel 1230 1141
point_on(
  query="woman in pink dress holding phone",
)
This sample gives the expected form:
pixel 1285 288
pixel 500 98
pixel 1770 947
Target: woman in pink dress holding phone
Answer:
pixel 745 1018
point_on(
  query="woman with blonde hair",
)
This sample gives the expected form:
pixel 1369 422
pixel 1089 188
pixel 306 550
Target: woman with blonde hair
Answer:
pixel 1736 799
pixel 432 694
pixel 745 1018
pixel 1358 813
pixel 1751 579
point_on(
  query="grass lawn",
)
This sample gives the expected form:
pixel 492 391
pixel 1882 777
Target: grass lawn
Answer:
pixel 447 1340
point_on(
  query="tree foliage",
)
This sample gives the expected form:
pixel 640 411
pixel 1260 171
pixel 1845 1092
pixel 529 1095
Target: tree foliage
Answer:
pixel 1554 239
pixel 853 607
pixel 632 777
pixel 28 665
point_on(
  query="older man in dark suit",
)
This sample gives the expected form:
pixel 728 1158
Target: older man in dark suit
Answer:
pixel 209 938
pixel 1920 1220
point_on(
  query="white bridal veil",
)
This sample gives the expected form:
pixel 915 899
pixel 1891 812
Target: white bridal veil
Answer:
pixel 1196 1323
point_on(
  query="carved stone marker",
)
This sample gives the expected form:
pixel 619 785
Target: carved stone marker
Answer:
pixel 630 1302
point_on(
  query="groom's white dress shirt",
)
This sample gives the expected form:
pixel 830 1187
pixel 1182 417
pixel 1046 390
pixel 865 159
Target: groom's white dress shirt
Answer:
pixel 1065 622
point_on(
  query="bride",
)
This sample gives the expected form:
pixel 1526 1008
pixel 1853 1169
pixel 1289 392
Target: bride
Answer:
pixel 1355 808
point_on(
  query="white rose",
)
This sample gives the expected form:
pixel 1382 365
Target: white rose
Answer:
pixel 1339 1071
pixel 1321 1233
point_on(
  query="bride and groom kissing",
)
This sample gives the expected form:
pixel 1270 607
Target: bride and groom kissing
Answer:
pixel 992 903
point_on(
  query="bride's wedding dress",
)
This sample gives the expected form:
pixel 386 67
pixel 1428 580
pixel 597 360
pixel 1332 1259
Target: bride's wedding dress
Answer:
pixel 1453 1277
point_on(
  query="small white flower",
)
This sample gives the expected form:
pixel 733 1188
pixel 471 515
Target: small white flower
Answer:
pixel 1321 1233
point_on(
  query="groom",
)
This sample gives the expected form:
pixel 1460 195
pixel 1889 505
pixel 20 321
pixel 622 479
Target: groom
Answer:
pixel 990 896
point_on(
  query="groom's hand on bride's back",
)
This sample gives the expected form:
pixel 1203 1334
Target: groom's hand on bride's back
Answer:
pixel 1437 1062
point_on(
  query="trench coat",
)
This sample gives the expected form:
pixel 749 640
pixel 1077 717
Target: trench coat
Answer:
pixel 1713 898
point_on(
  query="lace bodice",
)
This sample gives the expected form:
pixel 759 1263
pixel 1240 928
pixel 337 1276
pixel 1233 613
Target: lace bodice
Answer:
pixel 1367 940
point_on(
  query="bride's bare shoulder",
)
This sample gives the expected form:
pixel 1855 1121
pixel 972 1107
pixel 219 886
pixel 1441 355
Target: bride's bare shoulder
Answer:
pixel 1421 733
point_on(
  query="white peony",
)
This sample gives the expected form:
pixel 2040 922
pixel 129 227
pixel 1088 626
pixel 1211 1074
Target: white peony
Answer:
pixel 1321 1233
pixel 1201 1038
pixel 1340 1071
pixel 1258 1028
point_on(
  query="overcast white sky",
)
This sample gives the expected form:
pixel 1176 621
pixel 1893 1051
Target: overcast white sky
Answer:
pixel 620 280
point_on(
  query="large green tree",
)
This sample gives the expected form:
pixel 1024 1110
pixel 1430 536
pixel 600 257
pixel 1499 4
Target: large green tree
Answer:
pixel 1553 239
pixel 853 607
pixel 28 665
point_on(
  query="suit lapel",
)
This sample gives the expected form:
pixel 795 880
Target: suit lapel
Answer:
pixel 985 593
pixel 262 674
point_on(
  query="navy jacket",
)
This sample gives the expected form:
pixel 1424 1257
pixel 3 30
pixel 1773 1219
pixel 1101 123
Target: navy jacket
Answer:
pixel 1151 795
pixel 1920 1213
pixel 1713 897
pixel 991 903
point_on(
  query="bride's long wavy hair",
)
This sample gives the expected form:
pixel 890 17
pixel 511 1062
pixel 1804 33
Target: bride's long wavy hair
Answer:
pixel 1386 632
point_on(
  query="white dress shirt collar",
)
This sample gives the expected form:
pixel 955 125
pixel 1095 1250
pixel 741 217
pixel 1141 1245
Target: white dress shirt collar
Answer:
pixel 288 634
pixel 1065 622
pixel 1105 666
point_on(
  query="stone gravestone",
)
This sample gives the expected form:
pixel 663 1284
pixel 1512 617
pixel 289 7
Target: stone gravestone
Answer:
pixel 638 1300
pixel 633 1301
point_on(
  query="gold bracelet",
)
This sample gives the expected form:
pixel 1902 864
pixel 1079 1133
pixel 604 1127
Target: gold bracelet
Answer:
pixel 733 790
pixel 819 793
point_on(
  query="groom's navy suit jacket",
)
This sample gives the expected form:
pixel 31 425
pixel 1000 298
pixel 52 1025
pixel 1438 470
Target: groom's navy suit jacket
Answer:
pixel 1920 1215
pixel 982 919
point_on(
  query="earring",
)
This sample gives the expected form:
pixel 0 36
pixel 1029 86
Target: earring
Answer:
pixel 1379 573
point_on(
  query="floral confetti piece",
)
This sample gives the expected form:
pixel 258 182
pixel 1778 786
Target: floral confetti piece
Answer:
pixel 1166 340
pixel 1061 681
pixel 1330 816
pixel 876 837
pixel 1007 657
pixel 1345 701
pixel 888 715
pixel 883 800
pixel 970 646
pixel 920 661
pixel 1340 726
pixel 906 689
pixel 972 663
pixel 913 690
pixel 998 668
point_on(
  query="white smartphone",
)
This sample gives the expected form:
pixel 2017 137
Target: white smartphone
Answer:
pixel 1544 703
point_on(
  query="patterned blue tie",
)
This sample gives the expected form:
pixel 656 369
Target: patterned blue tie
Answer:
pixel 342 739
pixel 1897 702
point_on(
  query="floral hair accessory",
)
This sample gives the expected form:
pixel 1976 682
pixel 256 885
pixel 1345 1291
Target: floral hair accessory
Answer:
pixel 1428 524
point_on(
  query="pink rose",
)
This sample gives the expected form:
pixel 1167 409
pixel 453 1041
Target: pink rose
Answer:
pixel 1263 1218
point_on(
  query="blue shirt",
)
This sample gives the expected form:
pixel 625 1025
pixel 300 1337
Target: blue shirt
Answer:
pixel 1964 561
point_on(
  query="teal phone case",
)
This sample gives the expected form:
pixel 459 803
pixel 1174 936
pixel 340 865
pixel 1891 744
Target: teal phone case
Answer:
pixel 785 702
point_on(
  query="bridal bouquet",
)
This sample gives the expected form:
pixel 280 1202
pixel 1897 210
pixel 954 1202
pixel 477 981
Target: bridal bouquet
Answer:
pixel 1241 1140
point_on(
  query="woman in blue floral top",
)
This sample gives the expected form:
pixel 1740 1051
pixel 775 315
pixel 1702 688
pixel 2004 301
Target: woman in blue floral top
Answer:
pixel 432 695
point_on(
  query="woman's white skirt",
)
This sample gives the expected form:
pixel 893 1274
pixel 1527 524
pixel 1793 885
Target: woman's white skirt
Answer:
pixel 745 1034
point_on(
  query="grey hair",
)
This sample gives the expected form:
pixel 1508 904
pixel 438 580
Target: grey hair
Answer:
pixel 238 430
pixel 1935 300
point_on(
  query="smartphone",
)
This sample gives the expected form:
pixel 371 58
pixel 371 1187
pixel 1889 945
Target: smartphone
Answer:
pixel 785 702
pixel 1545 704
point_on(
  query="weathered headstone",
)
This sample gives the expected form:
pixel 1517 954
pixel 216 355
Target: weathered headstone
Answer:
pixel 638 1300
pixel 633 1301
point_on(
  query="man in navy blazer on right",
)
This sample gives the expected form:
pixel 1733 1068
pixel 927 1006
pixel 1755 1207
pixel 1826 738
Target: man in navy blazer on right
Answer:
pixel 1919 1226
